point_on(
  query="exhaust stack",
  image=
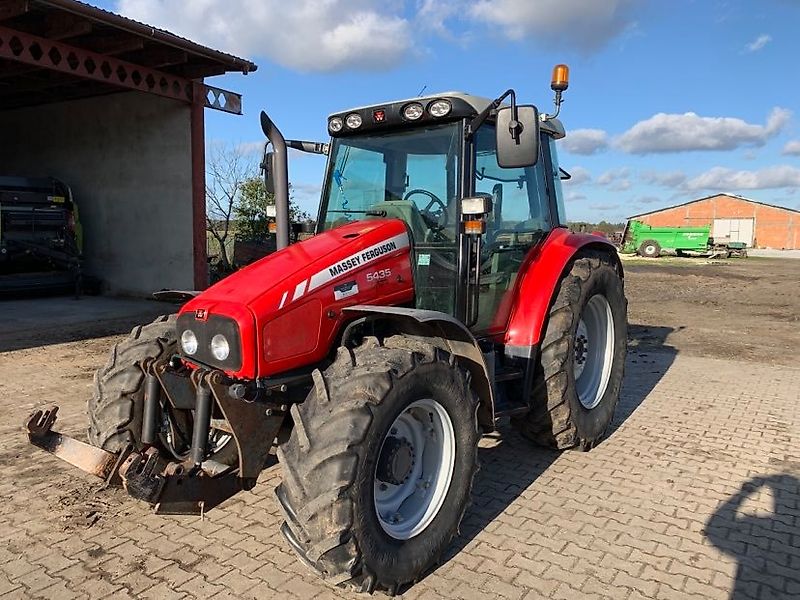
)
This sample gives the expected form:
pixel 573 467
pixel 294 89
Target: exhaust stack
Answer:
pixel 276 178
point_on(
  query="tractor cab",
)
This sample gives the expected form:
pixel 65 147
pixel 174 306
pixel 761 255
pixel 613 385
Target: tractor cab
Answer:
pixel 418 160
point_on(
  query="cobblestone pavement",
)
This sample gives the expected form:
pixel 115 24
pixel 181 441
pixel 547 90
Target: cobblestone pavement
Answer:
pixel 695 494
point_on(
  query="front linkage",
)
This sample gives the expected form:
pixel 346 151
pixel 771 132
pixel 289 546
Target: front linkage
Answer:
pixel 191 485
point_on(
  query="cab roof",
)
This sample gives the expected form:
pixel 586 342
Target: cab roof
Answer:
pixel 476 103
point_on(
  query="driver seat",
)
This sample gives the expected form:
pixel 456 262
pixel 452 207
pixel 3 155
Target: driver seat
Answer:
pixel 404 210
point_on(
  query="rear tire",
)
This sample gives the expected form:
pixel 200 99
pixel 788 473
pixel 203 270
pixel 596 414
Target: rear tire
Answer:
pixel 335 463
pixel 650 249
pixel 582 358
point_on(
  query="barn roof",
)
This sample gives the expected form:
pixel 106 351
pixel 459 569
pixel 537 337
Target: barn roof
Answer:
pixel 652 212
pixel 53 50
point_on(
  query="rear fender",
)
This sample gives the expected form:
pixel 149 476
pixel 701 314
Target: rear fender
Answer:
pixel 447 333
pixel 537 290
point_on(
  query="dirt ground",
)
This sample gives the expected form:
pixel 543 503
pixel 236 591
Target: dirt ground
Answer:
pixel 59 534
pixel 743 309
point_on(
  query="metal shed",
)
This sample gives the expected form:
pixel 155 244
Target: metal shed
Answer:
pixel 115 108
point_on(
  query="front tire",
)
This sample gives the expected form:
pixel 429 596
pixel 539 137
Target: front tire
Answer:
pixel 582 358
pixel 379 466
pixel 117 404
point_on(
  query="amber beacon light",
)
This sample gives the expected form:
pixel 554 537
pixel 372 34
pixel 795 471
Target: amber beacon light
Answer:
pixel 558 83
pixel 560 80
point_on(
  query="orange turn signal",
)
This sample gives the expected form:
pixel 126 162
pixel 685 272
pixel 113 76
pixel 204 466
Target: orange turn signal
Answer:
pixel 560 81
pixel 474 227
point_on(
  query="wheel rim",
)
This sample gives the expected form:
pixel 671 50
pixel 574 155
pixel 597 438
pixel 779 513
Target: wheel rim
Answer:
pixel 593 351
pixel 414 469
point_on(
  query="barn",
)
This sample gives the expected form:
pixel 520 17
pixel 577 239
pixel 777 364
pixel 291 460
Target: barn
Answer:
pixel 733 218
pixel 115 109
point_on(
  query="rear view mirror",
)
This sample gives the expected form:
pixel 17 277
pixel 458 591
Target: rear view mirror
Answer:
pixel 266 167
pixel 517 139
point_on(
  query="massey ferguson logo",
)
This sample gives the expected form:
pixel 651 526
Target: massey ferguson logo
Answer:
pixel 354 261
pixel 201 314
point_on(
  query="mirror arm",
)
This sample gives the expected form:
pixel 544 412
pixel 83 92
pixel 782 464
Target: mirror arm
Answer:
pixel 478 120
pixel 310 147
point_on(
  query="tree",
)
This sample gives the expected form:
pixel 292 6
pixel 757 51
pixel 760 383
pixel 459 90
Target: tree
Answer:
pixel 237 200
pixel 251 210
pixel 227 168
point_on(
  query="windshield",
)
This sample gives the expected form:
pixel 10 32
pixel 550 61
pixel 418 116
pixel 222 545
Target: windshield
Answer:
pixel 411 175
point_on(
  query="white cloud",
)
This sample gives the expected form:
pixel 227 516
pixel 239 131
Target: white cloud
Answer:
pixel 792 148
pixel 668 179
pixel 434 14
pixel 307 35
pixel 721 178
pixel 246 148
pixel 583 24
pixel 616 179
pixel 613 175
pixel 647 200
pixel 579 176
pixel 682 133
pixel 758 43
pixel 604 207
pixel 571 196
pixel 585 141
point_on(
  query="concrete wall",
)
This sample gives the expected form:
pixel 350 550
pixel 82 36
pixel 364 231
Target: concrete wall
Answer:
pixel 127 158
pixel 774 227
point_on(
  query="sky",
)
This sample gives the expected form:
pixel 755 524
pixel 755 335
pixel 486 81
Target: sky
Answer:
pixel 669 101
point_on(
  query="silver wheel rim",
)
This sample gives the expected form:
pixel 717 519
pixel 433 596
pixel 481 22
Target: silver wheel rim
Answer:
pixel 414 469
pixel 593 351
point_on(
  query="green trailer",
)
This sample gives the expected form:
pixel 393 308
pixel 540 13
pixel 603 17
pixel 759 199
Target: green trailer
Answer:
pixel 652 242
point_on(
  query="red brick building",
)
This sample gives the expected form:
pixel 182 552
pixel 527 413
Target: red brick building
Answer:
pixel 734 218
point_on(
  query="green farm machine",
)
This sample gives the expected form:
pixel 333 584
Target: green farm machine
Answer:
pixel 652 242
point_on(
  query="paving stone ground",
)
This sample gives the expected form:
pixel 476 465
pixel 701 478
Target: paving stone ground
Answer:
pixel 695 494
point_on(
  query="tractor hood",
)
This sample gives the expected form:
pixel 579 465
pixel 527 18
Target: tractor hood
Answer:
pixel 288 304
pixel 308 258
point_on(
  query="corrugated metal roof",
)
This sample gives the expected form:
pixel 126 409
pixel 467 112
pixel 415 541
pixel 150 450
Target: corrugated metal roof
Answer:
pixel 113 19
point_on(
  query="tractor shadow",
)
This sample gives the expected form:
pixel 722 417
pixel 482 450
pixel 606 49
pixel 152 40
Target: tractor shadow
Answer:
pixel 764 544
pixel 510 464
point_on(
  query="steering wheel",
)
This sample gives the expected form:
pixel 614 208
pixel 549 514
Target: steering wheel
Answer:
pixel 437 218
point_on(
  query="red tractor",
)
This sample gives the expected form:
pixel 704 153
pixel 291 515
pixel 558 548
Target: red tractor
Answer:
pixel 441 292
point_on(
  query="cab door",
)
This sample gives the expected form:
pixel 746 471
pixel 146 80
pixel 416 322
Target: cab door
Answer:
pixel 522 216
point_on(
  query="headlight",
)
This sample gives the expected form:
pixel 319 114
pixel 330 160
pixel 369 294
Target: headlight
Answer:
pixel 413 111
pixel 220 347
pixel 440 108
pixel 353 120
pixel 189 341
pixel 335 124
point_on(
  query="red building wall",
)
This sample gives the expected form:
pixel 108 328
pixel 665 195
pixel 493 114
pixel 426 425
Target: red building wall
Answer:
pixel 774 227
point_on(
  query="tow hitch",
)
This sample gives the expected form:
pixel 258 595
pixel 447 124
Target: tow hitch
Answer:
pixel 190 486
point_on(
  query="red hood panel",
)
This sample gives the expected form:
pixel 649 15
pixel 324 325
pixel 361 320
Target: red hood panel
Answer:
pixel 323 250
pixel 296 295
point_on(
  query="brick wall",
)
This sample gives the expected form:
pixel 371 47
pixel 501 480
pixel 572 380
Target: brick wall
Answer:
pixel 774 227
